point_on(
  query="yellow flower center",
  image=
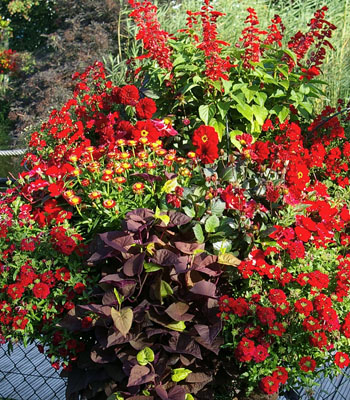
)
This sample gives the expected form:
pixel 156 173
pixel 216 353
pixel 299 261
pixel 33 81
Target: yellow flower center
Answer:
pixel 144 133
pixel 300 175
pixel 204 138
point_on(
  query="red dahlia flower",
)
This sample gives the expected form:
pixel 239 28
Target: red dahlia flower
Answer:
pixel 145 108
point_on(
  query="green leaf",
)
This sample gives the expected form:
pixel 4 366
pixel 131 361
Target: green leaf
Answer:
pixel 217 207
pixel 177 326
pixel 260 113
pixel 122 319
pixel 198 233
pixel 307 106
pixel 179 374
pixel 151 267
pixel 223 108
pixel 206 112
pixel 222 246
pixel 190 212
pixel 249 94
pixel 145 356
pixel 245 110
pixel 189 396
pixel 119 299
pixel 149 93
pixel 218 126
pixel 283 114
pixel 165 289
pixel 278 93
pixel 260 98
pixel 234 141
pixel 291 54
pixel 227 85
pixel 212 223
pixel 188 87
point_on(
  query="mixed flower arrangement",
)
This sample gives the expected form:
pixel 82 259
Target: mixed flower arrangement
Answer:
pixel 197 218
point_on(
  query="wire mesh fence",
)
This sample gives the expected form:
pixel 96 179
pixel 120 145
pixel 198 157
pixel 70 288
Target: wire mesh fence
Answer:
pixel 26 374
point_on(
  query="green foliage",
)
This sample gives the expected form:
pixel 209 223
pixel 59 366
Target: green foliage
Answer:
pixel 29 25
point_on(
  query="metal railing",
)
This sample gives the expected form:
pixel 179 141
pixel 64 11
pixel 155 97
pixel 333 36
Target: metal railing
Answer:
pixel 26 374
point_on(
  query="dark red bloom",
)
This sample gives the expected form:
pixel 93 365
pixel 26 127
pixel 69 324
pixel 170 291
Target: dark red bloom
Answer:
pixel 341 359
pixel 269 384
pixel 145 108
pixel 128 95
pixel 41 290
pixel 307 364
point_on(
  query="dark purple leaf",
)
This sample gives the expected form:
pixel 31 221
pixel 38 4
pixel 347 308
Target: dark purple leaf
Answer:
pixel 177 393
pixel 161 392
pixel 79 379
pixel 181 264
pixel 103 311
pixel 214 346
pixel 126 287
pixel 134 265
pixel 117 240
pixel 109 299
pixel 188 248
pixel 177 219
pixel 165 258
pixel 147 177
pixel 141 398
pixel 102 356
pixel 140 215
pixel 208 333
pixel 170 175
pixel 204 288
pixel 177 311
pixel 70 322
pixel 100 254
pixel 139 375
pixel 183 344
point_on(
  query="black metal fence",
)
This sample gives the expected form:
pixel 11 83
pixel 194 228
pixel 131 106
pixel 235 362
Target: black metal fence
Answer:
pixel 26 374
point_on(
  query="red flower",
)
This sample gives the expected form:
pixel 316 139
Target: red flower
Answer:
pixel 145 129
pixel 307 364
pixel 281 375
pixel 41 290
pixel 269 384
pixel 341 359
pixel 302 233
pixel 15 291
pixel 205 138
pixel 266 315
pixel 260 353
pixel 79 288
pixel 303 306
pixel 128 95
pixel 245 350
pixel 145 108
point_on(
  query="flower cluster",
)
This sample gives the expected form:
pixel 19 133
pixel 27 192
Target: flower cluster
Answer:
pixel 7 61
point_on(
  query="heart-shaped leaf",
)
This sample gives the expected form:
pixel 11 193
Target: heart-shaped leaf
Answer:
pixel 122 319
